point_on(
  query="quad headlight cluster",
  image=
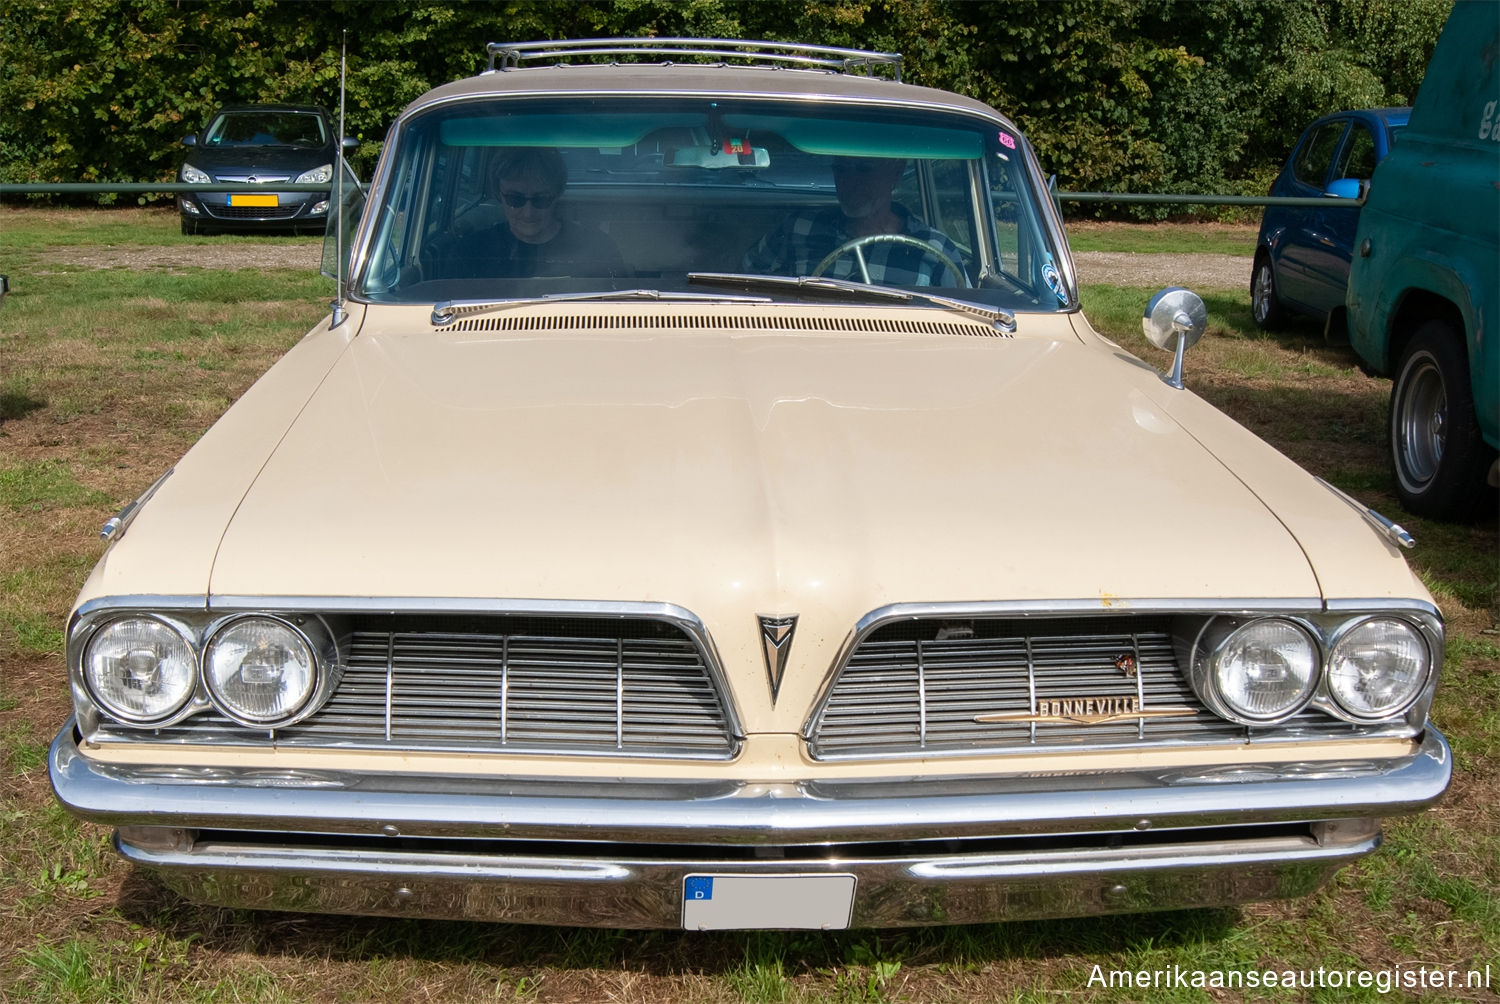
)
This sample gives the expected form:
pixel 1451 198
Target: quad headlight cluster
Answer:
pixel 260 671
pixel 1264 670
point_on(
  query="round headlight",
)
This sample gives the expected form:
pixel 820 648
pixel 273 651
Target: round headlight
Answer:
pixel 1266 670
pixel 140 669
pixel 1378 668
pixel 260 671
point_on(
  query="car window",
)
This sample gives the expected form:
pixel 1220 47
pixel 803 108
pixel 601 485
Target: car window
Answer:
pixel 261 128
pixel 494 198
pixel 1316 153
pixel 1357 159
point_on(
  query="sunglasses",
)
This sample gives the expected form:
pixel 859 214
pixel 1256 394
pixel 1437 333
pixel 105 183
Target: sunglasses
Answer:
pixel 516 200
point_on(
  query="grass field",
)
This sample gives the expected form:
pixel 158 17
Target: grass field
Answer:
pixel 108 374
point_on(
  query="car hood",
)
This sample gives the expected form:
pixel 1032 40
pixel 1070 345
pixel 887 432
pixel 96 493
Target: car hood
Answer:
pixel 673 468
pixel 239 160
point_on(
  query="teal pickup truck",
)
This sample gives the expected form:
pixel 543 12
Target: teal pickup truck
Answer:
pixel 1424 285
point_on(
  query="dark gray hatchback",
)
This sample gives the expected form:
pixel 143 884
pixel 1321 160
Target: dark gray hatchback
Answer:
pixel 261 146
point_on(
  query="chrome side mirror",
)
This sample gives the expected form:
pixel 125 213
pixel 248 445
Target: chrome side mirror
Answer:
pixel 1175 319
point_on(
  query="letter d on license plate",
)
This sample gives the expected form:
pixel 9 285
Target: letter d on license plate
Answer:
pixel 767 902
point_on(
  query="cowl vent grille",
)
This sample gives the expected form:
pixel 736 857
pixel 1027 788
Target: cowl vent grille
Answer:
pixel 720 322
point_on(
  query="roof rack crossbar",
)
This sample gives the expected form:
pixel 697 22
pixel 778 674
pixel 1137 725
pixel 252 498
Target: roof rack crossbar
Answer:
pixel 510 55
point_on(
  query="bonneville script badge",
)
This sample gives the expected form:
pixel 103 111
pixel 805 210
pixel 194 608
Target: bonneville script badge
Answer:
pixel 1088 711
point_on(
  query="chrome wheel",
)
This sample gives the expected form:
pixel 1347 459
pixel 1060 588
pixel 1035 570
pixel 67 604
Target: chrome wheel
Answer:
pixel 1441 458
pixel 1421 422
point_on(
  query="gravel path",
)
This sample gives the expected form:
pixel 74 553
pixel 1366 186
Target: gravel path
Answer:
pixel 1196 271
pixel 1119 268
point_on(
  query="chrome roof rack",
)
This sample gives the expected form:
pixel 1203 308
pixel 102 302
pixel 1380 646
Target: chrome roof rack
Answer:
pixel 511 55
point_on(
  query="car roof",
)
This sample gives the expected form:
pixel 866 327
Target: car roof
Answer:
pixel 1389 116
pixel 697 79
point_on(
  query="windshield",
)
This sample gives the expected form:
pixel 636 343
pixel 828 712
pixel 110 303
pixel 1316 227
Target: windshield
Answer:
pixel 506 199
pixel 256 128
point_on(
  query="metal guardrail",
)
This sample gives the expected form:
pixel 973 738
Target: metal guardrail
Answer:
pixel 1128 198
pixel 1120 198
pixel 149 187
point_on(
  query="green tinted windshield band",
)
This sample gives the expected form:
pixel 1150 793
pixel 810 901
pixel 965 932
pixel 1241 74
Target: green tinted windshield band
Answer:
pixel 856 138
pixel 595 129
pixel 823 136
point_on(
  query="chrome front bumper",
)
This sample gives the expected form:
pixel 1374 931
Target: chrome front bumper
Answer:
pixel 615 854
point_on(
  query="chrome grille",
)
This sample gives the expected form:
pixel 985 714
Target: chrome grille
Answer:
pixel 917 687
pixel 637 688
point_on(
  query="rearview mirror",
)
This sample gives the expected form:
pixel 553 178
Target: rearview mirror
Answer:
pixel 732 154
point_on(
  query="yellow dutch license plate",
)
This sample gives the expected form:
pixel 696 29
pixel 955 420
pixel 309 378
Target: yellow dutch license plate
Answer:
pixel 253 200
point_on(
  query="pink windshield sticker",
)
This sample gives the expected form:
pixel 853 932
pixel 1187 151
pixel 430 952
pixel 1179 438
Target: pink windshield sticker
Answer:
pixel 1008 141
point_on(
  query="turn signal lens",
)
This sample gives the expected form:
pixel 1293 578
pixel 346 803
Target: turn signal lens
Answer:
pixel 1378 668
pixel 1266 670
pixel 139 669
pixel 260 671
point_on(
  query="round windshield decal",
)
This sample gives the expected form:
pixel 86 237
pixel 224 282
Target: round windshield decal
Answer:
pixel 1054 280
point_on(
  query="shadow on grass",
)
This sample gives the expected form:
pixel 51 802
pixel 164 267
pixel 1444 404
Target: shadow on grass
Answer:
pixel 18 404
pixel 664 953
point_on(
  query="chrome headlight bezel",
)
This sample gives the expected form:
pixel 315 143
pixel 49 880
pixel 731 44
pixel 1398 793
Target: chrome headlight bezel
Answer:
pixel 193 176
pixel 1422 686
pixel 1207 663
pixel 318 669
pixel 197 627
pixel 1200 637
pixel 177 707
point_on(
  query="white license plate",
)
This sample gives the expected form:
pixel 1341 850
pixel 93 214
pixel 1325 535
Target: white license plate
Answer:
pixel 767 902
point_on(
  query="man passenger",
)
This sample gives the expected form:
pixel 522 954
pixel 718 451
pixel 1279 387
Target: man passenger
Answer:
pixel 864 186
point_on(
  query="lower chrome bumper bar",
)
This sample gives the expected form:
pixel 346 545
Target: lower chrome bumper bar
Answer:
pixel 627 892
pixel 615 853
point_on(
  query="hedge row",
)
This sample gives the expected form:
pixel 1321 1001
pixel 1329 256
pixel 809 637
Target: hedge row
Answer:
pixel 1125 95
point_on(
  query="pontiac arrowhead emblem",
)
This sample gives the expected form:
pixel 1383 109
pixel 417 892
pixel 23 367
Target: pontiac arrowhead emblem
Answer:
pixel 776 645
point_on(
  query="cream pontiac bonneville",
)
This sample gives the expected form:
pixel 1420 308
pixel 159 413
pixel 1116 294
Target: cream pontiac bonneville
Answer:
pixel 709 508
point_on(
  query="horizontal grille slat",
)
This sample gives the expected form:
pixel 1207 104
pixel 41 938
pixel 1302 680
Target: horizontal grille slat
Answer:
pixel 468 684
pixel 915 688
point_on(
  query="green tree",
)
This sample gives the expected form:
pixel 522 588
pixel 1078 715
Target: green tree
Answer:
pixel 1131 95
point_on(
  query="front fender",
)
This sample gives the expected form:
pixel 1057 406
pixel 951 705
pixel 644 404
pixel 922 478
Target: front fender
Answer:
pixel 1379 286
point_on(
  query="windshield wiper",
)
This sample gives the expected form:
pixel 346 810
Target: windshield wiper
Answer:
pixel 822 285
pixel 447 311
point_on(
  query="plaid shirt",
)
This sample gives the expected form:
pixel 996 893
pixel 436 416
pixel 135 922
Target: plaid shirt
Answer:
pixel 801 243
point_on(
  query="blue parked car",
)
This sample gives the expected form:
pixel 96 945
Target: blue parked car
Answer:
pixel 1302 255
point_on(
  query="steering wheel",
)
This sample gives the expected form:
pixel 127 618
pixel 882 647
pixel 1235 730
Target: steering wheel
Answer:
pixel 858 244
